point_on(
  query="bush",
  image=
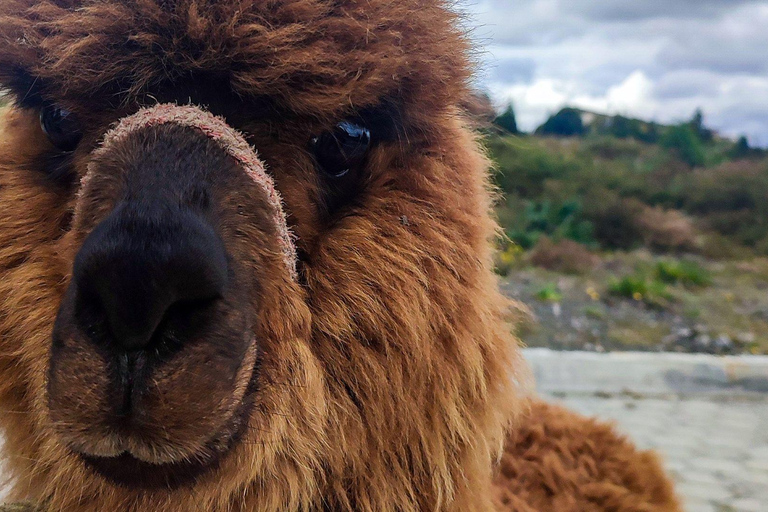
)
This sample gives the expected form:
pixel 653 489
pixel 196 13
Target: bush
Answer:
pixel 549 293
pixel 686 143
pixel 508 259
pixel 640 288
pixel 563 256
pixel 621 194
pixel 527 222
pixel 611 148
pixel 665 229
pixel 615 222
pixel 685 272
pixel 731 199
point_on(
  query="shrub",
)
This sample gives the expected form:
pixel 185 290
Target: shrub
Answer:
pixel 524 165
pixel 686 143
pixel 665 229
pixel 528 221
pixel 563 256
pixel 611 148
pixel 508 259
pixel 549 293
pixel 642 289
pixel 685 272
pixel 615 222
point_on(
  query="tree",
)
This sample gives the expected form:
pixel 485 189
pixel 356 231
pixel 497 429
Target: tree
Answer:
pixel 507 120
pixel 683 139
pixel 566 123
pixel 741 149
pixel 697 124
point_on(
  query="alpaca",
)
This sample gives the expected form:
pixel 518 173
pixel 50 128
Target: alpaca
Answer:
pixel 245 265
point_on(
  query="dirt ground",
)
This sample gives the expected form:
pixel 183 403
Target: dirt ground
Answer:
pixel 579 312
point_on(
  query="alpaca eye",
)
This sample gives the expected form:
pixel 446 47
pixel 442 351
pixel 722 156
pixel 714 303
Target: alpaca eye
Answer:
pixel 61 127
pixel 342 150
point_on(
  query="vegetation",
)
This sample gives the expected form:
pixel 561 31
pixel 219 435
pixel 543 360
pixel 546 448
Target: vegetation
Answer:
pixel 681 202
pixel 566 123
pixel 507 121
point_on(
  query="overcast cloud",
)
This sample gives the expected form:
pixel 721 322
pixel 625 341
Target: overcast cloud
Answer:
pixel 655 59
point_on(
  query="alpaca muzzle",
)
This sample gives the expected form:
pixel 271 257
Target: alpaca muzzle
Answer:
pixel 179 229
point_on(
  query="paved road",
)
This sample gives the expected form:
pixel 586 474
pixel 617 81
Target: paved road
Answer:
pixel 713 436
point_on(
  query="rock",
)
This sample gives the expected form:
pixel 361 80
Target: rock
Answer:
pixel 700 329
pixel 703 341
pixel 724 343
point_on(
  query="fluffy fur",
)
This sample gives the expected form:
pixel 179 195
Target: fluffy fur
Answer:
pixel 558 461
pixel 388 376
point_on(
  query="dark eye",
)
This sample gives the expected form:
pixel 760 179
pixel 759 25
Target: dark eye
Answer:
pixel 342 150
pixel 61 127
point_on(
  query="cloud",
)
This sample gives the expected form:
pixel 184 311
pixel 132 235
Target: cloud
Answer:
pixel 652 58
pixel 632 10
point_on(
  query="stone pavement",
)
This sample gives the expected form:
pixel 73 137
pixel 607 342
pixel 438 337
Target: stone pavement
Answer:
pixel 707 416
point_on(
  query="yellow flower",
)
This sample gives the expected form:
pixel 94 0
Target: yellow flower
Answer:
pixel 593 294
pixel 637 296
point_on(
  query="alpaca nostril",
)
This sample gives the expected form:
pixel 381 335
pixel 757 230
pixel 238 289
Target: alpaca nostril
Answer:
pixel 136 267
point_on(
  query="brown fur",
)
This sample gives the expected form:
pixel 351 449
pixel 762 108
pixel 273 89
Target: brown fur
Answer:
pixel 389 376
pixel 560 462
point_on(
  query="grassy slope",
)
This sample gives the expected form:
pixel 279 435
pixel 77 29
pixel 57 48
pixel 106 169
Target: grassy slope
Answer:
pixel 572 188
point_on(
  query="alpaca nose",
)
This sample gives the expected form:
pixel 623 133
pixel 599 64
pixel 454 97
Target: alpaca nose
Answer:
pixel 136 266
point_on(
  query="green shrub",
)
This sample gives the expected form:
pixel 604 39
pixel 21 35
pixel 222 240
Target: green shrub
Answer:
pixel 611 148
pixel 685 141
pixel 524 165
pixel 549 293
pixel 685 272
pixel 530 221
pixel 642 289
pixel 611 193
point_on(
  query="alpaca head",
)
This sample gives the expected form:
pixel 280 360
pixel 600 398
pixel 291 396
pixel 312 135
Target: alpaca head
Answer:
pixel 244 258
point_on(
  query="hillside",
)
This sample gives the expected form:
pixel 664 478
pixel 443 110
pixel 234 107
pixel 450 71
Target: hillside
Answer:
pixel 617 242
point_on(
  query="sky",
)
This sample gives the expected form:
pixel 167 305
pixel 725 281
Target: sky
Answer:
pixel 653 59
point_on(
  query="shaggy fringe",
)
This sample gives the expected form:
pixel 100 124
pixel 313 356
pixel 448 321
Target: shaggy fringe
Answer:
pixel 314 58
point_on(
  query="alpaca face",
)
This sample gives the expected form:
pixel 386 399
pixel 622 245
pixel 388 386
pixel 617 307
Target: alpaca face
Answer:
pixel 168 343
